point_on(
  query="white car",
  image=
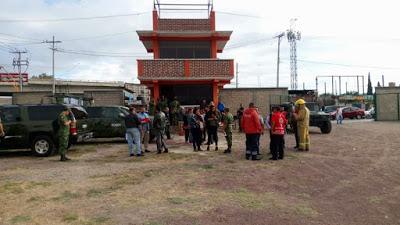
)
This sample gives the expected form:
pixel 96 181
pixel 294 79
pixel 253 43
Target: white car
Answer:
pixel 369 114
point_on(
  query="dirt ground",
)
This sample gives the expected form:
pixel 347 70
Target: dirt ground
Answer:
pixel 351 176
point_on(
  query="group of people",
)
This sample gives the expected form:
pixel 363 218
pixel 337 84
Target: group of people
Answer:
pixel 201 125
pixel 251 123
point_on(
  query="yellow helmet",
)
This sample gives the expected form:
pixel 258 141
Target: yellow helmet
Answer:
pixel 300 102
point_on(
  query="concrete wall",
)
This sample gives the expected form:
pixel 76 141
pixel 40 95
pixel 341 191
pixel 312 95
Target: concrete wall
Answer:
pixel 32 98
pixel 262 97
pixel 387 103
pixel 104 98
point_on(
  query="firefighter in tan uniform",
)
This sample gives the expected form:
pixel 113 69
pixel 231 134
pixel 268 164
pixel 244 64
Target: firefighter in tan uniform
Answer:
pixel 303 124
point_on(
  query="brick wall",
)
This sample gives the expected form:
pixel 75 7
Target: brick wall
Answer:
pixel 196 69
pixel 261 97
pixel 184 25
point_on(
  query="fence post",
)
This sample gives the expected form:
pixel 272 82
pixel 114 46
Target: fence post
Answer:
pixel 398 106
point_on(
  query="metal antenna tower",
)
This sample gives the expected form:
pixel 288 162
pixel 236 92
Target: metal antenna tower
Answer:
pixel 293 36
pixel 18 62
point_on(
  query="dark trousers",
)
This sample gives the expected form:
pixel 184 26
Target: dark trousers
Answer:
pixel 167 131
pixel 212 135
pixel 277 146
pixel 196 133
pixel 270 141
pixel 296 135
pixel 251 145
pixel 187 133
pixel 204 134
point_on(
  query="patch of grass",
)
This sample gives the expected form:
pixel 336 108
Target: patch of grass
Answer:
pixel 247 199
pixel 127 180
pixel 230 161
pixel 97 192
pixel 100 220
pixel 176 200
pixel 178 156
pixel 70 217
pixel 305 210
pixel 154 223
pixel 152 172
pixel 20 219
pixel 38 184
pixel 207 166
pixel 375 199
pixel 12 187
pixel 67 196
pixel 35 199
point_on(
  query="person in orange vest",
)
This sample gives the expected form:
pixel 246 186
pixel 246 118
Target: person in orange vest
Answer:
pixel 278 126
pixel 252 128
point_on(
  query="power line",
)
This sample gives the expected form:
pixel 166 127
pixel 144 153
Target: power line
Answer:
pixel 98 54
pixel 349 65
pixel 71 18
pixel 99 36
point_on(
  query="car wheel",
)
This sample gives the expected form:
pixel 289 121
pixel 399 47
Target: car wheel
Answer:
pixel 358 117
pixel 326 128
pixel 42 146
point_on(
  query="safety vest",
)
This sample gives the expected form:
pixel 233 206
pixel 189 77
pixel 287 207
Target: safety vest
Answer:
pixel 279 123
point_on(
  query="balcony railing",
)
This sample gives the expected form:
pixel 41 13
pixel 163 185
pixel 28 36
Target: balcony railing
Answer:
pixel 186 69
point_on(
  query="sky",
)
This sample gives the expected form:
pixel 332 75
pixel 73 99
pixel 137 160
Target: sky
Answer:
pixel 342 37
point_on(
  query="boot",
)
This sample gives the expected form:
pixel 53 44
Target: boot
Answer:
pixel 66 158
pixel 248 156
pixel 166 150
pixel 227 151
pixel 63 158
pixel 158 151
pixel 208 148
pixel 216 148
pixel 255 157
pixel 199 149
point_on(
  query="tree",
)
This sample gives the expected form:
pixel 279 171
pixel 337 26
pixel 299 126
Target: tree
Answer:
pixel 369 89
pixel 43 76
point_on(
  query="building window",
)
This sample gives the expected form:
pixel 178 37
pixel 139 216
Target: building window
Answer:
pixel 185 50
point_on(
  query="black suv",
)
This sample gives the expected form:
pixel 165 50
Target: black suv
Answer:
pixel 34 126
pixel 107 121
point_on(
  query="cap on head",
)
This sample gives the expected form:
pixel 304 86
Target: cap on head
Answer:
pixel 65 108
pixel 300 102
pixel 251 105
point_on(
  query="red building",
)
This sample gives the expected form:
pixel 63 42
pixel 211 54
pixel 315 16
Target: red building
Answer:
pixel 185 61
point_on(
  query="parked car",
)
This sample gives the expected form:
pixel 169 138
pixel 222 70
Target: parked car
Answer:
pixel 109 121
pixel 350 112
pixel 370 113
pixel 34 126
pixel 330 108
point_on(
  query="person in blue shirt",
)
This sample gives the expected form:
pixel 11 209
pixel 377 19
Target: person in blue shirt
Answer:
pixel 145 131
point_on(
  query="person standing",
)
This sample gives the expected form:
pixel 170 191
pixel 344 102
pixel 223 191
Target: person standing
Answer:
pixel 262 129
pixel 162 103
pixel 339 115
pixel 167 123
pixel 293 124
pixel 145 128
pixel 278 124
pixel 159 124
pixel 174 113
pixel 63 133
pixel 133 132
pixel 252 128
pixel 212 119
pixel 221 107
pixel 239 115
pixel 303 124
pixel 195 128
pixel 228 123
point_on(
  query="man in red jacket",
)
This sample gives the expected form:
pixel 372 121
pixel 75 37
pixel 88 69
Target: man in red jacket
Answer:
pixel 278 126
pixel 252 128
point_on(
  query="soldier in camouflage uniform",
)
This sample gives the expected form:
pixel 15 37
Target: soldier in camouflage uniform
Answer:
pixel 63 133
pixel 159 124
pixel 174 107
pixel 228 122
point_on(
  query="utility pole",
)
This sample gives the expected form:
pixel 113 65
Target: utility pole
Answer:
pixel 383 81
pixel 18 62
pixel 325 88
pixel 237 75
pixel 346 88
pixel 279 36
pixel 53 42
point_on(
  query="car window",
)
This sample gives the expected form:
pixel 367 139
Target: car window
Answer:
pixel 36 113
pixel 110 112
pixel 79 113
pixel 94 112
pixel 346 110
pixel 9 115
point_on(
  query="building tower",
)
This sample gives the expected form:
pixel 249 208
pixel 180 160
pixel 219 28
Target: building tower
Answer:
pixel 185 63
pixel 292 37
